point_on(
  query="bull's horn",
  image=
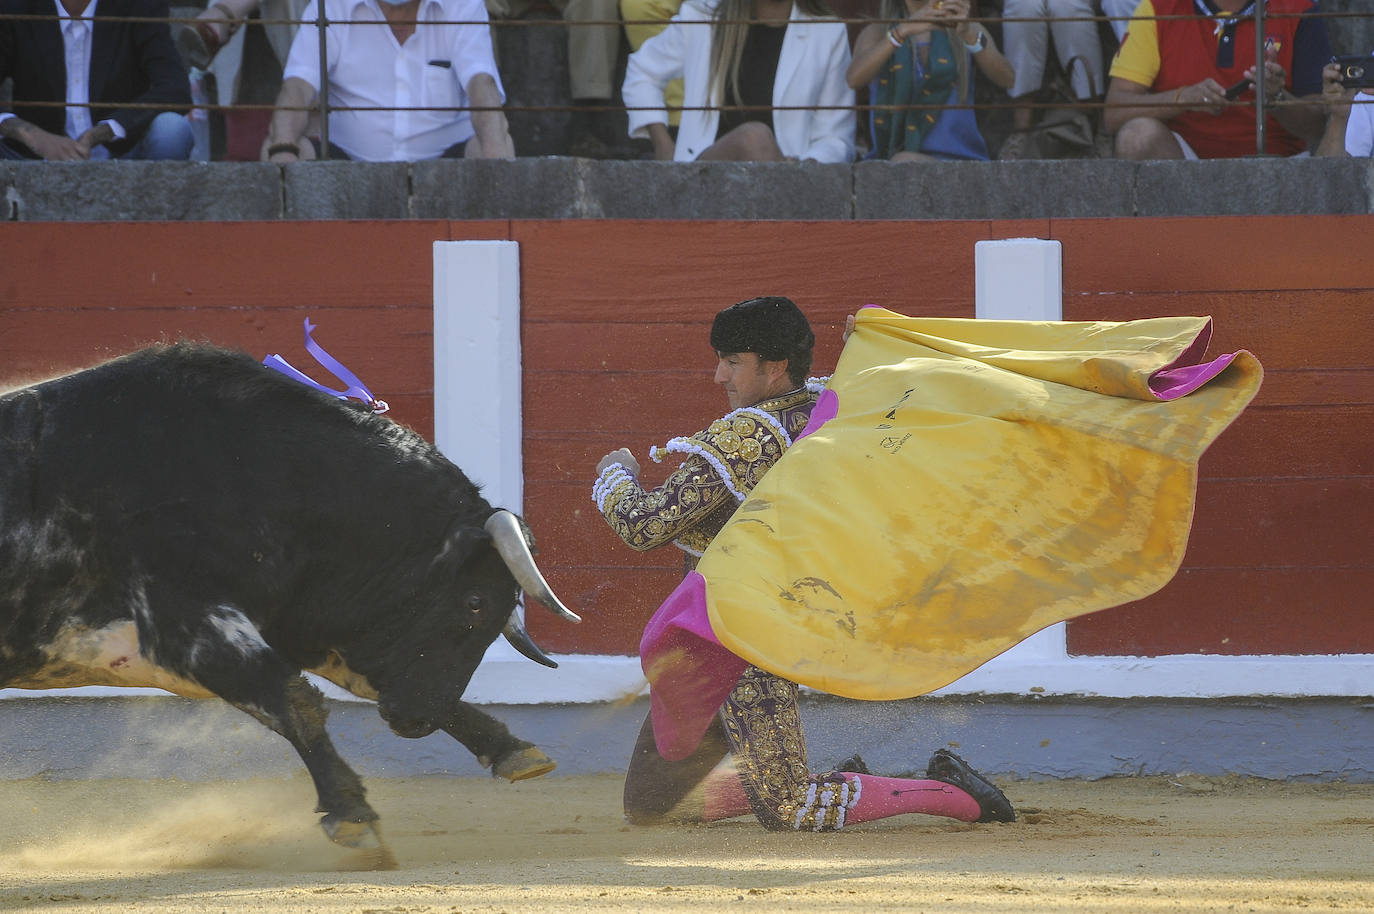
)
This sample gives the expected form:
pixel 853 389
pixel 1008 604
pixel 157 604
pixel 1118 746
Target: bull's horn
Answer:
pixel 520 639
pixel 509 541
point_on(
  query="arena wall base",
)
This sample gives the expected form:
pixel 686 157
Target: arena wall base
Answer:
pixel 555 187
pixel 1322 740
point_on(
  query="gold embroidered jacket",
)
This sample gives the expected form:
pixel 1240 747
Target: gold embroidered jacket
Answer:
pixel 723 463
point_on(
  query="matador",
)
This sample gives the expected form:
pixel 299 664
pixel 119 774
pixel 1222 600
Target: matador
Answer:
pixel 764 352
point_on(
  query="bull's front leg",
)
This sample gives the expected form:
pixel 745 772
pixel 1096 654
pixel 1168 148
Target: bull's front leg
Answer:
pixel 495 746
pixel 220 648
pixel 300 717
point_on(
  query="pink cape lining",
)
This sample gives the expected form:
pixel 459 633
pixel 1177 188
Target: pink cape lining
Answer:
pixel 1186 373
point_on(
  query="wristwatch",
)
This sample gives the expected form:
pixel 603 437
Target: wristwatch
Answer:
pixel 978 45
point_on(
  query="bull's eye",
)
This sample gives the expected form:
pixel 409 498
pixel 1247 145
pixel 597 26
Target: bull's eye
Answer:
pixel 475 603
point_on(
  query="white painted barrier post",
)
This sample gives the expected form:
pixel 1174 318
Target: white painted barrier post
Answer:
pixel 478 418
pixel 1018 279
pixel 477 407
pixel 478 424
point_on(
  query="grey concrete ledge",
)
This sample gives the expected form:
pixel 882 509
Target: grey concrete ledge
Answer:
pixel 567 188
pixel 1007 736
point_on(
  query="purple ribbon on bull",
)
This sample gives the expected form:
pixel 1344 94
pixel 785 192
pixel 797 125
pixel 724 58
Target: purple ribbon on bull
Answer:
pixel 355 389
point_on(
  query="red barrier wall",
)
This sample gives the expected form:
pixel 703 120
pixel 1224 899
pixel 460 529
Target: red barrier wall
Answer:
pixel 614 335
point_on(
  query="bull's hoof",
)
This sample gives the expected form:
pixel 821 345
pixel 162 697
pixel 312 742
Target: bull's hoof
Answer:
pixel 363 837
pixel 360 836
pixel 522 765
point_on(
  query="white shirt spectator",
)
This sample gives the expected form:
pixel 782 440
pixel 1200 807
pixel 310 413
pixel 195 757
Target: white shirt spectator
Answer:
pixel 368 69
pixel 1359 130
pixel 813 116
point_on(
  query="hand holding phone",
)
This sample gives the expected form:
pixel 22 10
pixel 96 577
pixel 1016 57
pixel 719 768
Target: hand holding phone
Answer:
pixel 1356 72
pixel 1239 89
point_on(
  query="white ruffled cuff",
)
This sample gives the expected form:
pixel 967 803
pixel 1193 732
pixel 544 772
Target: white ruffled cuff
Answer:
pixel 611 479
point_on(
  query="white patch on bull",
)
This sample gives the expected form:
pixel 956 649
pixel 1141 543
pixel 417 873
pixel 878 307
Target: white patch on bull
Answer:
pixel 109 656
pixel 44 543
pixel 236 631
pixel 336 671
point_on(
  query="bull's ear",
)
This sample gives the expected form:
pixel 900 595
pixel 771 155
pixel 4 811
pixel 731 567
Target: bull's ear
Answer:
pixel 460 545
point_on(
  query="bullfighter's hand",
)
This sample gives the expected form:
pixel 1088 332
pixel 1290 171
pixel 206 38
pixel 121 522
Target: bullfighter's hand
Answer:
pixel 848 328
pixel 622 457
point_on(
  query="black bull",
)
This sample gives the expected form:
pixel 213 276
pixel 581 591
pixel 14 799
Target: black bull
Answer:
pixel 185 518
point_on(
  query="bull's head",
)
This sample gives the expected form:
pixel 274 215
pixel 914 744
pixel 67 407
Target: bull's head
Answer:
pixel 508 536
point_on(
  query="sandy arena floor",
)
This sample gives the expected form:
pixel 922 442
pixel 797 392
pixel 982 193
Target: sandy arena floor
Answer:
pixel 559 844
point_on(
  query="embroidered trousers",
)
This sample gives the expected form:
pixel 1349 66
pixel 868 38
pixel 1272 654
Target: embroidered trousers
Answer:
pixel 760 725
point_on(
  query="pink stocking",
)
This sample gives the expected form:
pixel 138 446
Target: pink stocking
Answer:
pixel 724 795
pixel 880 798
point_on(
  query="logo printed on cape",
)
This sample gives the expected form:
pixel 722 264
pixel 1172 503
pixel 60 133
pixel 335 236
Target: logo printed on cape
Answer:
pixel 892 444
pixel 891 414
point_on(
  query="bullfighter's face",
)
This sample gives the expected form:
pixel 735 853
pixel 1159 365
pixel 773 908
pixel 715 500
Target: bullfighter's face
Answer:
pixel 748 378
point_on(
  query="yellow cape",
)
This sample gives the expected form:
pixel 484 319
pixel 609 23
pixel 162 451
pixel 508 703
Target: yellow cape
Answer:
pixel 981 481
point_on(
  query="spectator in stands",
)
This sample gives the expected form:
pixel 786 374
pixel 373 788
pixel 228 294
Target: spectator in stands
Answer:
pixel 201 40
pixel 415 62
pixel 98 66
pixel 1170 78
pixel 246 72
pixel 643 20
pixel 923 53
pixel 763 81
pixel 593 50
pixel 1026 31
pixel 1349 116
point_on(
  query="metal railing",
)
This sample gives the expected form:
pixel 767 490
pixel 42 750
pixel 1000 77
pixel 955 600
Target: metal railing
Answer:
pixel 323 107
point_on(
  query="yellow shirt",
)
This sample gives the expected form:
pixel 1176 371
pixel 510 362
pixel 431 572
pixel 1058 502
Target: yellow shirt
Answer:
pixel 1137 59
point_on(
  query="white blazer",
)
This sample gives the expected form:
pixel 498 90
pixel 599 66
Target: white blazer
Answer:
pixel 811 68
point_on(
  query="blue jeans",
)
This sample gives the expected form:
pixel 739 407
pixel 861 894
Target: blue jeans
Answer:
pixel 169 136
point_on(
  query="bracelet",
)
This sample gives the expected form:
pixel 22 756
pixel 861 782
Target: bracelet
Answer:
pixel 284 147
pixel 892 36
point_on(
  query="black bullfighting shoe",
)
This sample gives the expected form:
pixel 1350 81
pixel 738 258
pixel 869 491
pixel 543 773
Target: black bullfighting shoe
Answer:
pixel 853 765
pixel 948 767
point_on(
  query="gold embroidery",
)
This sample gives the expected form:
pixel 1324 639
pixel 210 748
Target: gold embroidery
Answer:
pixel 763 725
pixel 697 498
